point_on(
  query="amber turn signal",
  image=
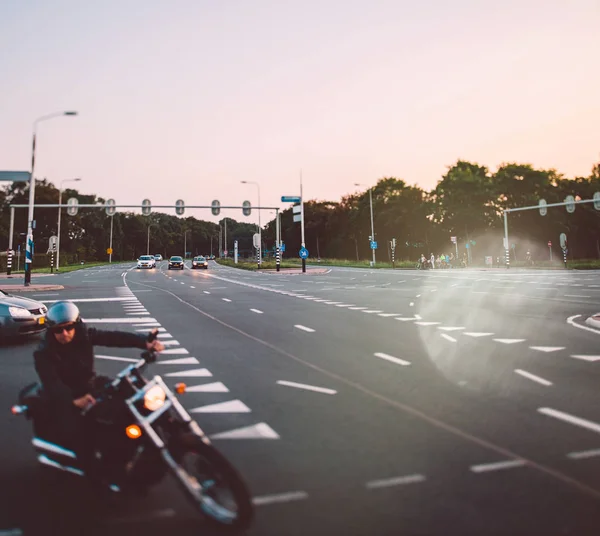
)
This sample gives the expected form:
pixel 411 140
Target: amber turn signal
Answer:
pixel 133 431
pixel 180 388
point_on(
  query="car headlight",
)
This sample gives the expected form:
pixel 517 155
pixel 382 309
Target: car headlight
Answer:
pixel 154 398
pixel 19 312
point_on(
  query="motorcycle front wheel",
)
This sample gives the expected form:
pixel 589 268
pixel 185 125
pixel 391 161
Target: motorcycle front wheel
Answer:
pixel 213 484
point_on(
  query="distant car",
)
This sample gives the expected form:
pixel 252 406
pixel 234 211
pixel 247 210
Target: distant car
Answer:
pixel 175 263
pixel 146 261
pixel 21 316
pixel 158 257
pixel 199 262
pixel 211 257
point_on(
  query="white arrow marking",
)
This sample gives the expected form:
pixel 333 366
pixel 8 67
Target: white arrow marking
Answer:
pixel 547 348
pixel 258 431
pixel 590 358
pixel 231 406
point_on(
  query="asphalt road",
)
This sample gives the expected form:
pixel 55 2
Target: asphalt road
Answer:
pixel 357 402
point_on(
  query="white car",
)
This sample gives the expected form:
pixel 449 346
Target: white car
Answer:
pixel 146 261
pixel 158 257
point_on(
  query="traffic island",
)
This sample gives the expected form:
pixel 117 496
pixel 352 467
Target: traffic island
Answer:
pixel 298 271
pixel 31 288
pixel 594 321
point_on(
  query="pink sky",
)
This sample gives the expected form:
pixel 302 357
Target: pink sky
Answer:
pixel 183 99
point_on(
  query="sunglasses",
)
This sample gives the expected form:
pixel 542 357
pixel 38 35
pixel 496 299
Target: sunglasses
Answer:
pixel 60 329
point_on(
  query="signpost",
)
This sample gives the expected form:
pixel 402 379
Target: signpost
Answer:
pixel 298 211
pixel 563 245
pixel 256 244
pixel 550 248
pixel 303 253
pixel 393 247
pixel 235 251
pixel 111 209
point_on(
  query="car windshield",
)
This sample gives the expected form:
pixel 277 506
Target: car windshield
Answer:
pixel 146 258
pixel 176 259
pixel 201 259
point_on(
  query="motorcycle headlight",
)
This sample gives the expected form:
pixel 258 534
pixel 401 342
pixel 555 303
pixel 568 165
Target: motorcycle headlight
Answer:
pixel 154 398
pixel 18 312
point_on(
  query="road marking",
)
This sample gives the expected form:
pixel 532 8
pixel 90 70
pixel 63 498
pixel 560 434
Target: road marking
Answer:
pixel 226 299
pixel 396 481
pixel 180 361
pixel 358 308
pixel 154 324
pixel 257 431
pixel 171 351
pixel 231 406
pixel 547 348
pixel 477 334
pixel 304 328
pixel 148 330
pixel 307 387
pixel 509 341
pixel 577 421
pixel 411 304
pixel 387 315
pixel 279 498
pixel 427 323
pixel 571 320
pixel 409 319
pixel 584 454
pixel 117 320
pixel 258 312
pixel 332 302
pixel 391 358
pixel 345 305
pixel 206 292
pixel 216 387
pixel 90 300
pixel 533 377
pixel 164 336
pixel 487 467
pixel 449 328
pixel 576 296
pixel 448 338
pixel 371 311
pixel 40 295
pixel 171 343
pixel 114 358
pixel 590 358
pixel 195 373
pixel 138 313
pixel 191 286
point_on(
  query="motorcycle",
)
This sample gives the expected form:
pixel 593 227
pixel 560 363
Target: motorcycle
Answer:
pixel 142 432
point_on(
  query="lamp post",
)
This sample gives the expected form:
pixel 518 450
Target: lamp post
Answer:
pixel 29 243
pixel 185 242
pixel 259 226
pixel 58 226
pixel 148 241
pixel 372 226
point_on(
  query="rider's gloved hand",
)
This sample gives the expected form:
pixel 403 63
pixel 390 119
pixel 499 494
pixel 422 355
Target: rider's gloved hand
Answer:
pixel 84 401
pixel 155 345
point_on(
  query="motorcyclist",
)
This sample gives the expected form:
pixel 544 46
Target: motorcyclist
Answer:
pixel 64 362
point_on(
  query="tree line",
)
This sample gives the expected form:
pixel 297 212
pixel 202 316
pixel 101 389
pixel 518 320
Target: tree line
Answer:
pixel 467 203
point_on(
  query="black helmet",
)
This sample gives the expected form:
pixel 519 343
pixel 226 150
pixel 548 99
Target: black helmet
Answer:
pixel 62 312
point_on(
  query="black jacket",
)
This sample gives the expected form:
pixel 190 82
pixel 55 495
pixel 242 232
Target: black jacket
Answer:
pixel 65 370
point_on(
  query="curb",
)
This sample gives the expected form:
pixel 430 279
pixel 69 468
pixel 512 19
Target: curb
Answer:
pixel 31 288
pixel 594 321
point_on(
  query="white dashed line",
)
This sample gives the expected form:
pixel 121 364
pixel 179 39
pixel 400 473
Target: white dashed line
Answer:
pixel 304 328
pixel 206 292
pixel 449 328
pixel 358 308
pixel 192 286
pixel 547 348
pixel 392 359
pixel 427 323
pixel 533 377
pixel 590 358
pixel 280 498
pixel 257 311
pixel 226 299
pixel 448 338
pixel 307 387
pixel 487 467
pixel 508 341
pixel 577 421
pixel 581 455
pixel 576 296
pixel 396 481
pixel 477 334
pixel 369 312
pixel 387 315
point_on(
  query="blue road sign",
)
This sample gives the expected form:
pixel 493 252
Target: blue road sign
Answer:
pixel 290 199
pixel 303 253
pixel 282 247
pixel 373 244
pixel 467 245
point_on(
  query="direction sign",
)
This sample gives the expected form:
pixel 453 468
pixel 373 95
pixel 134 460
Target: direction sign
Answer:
pixel 373 244
pixel 303 253
pixel 179 207
pixel 571 204
pixel 15 176
pixel 596 199
pixel 247 208
pixel 256 240
pixel 109 251
pixel 110 208
pixel 146 207
pixel 282 247
pixel 543 208
pixel 73 206
pixel 563 240
pixel 215 207
pixel 290 199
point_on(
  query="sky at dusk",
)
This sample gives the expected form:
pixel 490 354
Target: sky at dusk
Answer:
pixel 186 98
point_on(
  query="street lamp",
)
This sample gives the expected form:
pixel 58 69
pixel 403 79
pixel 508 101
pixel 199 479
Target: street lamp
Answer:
pixel 372 226
pixel 29 243
pixel 185 242
pixel 259 226
pixel 59 211
pixel 148 241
